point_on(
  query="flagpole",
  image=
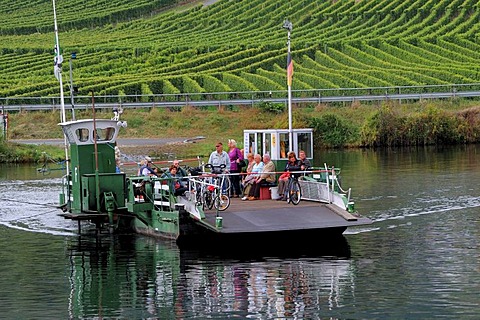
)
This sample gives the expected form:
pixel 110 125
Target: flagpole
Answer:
pixel 288 25
pixel 58 73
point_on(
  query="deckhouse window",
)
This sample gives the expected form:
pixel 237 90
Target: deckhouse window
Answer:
pixel 82 134
pixel 251 139
pixel 304 140
pixel 284 145
pixel 268 144
pixel 259 143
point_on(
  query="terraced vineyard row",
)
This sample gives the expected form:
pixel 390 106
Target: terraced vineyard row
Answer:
pixel 72 13
pixel 133 47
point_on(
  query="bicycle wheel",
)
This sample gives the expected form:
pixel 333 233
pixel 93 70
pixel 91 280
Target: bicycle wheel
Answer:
pixel 226 185
pixel 222 202
pixel 295 192
pixel 207 199
pixel 198 198
pixel 288 193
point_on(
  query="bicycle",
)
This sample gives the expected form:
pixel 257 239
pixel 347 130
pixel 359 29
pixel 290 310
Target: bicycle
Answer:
pixel 218 170
pixel 293 191
pixel 208 194
pixel 221 200
pixel 217 193
pixel 198 187
pixel 213 198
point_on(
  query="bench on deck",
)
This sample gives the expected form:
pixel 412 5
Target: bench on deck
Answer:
pixel 265 192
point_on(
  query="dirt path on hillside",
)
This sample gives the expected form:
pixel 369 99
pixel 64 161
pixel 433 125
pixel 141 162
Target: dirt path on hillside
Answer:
pixel 209 2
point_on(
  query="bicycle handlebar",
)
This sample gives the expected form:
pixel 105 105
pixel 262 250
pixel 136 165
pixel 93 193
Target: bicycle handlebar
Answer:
pixel 211 166
pixel 216 168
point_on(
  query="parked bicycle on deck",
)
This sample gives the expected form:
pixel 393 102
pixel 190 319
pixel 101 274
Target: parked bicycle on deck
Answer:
pixel 293 192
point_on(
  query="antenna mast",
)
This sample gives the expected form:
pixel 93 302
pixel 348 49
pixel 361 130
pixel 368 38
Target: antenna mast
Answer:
pixel 57 69
pixel 289 26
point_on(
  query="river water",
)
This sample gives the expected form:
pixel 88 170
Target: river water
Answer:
pixel 420 258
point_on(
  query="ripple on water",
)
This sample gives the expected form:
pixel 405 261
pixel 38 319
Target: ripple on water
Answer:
pixel 30 205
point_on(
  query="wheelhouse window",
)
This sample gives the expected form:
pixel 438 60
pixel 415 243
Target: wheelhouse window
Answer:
pixel 82 134
pixel 105 134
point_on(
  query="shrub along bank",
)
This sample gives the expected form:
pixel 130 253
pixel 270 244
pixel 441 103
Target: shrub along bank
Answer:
pixel 390 127
pixel 335 126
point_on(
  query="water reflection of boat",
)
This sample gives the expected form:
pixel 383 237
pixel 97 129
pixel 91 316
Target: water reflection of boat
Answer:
pixel 140 277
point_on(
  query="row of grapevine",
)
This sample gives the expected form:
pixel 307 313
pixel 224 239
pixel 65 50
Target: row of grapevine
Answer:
pixel 73 14
pixel 335 44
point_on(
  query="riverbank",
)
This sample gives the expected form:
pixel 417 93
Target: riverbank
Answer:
pixel 336 126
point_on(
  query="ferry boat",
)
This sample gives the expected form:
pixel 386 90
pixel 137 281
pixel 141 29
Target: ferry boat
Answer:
pixel 94 192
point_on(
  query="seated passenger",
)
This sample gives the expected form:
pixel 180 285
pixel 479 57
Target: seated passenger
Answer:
pixel 256 169
pixel 181 172
pixel 304 162
pixel 147 170
pixel 247 170
pixel 267 176
pixel 292 165
pixel 176 185
pixel 141 165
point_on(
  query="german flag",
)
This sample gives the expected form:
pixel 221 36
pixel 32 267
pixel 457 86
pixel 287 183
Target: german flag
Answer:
pixel 289 69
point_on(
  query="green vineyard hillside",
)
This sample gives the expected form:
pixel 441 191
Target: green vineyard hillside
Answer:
pixel 127 47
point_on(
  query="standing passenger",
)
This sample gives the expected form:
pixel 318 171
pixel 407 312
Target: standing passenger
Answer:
pixel 180 171
pixel 235 156
pixel 219 157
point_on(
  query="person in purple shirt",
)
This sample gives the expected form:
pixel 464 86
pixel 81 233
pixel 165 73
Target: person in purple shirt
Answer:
pixel 235 156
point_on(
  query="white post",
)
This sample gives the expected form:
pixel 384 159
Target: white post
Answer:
pixel 288 25
pixel 71 90
pixel 58 73
pixel 290 135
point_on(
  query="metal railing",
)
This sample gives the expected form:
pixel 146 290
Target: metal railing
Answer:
pixel 248 98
